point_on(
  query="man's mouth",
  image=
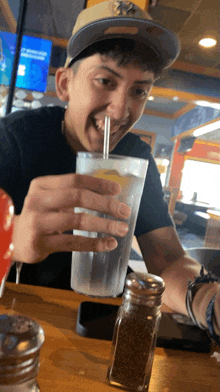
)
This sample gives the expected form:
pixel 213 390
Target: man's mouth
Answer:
pixel 99 125
pixel 114 126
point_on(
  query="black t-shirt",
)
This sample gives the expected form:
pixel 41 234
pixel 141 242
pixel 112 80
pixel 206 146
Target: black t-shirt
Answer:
pixel 32 145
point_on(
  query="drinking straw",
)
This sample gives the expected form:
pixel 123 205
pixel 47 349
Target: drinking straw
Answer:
pixel 106 138
pixel 18 271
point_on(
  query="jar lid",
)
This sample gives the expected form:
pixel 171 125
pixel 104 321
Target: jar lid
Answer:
pixel 20 341
pixel 144 284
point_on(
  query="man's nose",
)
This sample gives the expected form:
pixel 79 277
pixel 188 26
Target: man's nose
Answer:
pixel 119 106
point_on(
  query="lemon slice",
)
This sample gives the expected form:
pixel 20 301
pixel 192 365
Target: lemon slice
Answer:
pixel 112 175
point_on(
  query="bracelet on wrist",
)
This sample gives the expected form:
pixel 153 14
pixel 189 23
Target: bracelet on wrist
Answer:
pixel 193 288
pixel 210 314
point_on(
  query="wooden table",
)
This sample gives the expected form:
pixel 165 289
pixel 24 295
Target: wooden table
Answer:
pixel 71 363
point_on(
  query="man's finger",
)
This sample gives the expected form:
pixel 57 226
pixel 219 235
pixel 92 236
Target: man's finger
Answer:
pixel 70 243
pixel 65 221
pixel 47 200
pixel 72 180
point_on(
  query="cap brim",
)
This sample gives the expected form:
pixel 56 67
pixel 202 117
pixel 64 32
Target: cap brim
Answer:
pixel 163 41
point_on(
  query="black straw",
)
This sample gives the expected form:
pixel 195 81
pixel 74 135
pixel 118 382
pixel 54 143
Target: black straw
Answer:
pixel 19 32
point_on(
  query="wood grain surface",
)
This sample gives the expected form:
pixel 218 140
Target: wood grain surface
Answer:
pixel 71 363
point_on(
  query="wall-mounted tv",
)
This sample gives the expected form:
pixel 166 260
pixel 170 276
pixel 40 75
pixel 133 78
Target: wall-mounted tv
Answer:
pixel 186 144
pixel 33 65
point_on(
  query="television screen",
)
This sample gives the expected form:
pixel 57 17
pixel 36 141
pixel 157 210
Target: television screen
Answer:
pixel 33 65
pixel 186 144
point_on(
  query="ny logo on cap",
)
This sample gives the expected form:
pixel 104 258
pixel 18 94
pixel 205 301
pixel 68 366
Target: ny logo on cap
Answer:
pixel 125 8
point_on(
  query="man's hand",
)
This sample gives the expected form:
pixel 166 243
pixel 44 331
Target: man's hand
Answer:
pixel 48 212
pixel 165 256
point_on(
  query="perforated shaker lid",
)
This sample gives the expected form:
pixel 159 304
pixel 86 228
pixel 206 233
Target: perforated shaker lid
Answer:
pixel 20 341
pixel 144 284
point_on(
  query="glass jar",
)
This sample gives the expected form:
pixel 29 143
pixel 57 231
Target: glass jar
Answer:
pixel 135 332
pixel 21 339
pixel 27 386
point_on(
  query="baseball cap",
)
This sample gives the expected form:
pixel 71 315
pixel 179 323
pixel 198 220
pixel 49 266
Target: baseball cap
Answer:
pixel 121 19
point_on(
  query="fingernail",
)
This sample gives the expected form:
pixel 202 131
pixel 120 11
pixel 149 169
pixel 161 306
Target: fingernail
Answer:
pixel 114 187
pixel 122 228
pixel 124 210
pixel 111 244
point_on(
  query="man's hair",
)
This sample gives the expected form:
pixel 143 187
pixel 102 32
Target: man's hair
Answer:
pixel 125 52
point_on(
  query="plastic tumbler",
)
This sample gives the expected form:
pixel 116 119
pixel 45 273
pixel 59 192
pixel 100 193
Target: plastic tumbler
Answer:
pixel 103 274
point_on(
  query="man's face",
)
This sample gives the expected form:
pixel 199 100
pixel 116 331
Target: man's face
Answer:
pixel 100 87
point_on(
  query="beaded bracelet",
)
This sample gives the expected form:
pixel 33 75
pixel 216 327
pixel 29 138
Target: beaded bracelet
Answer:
pixel 209 320
pixel 193 287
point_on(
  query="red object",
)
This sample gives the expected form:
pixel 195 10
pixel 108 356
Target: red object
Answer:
pixel 6 229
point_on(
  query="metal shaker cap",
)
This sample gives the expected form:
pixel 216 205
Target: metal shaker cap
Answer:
pixel 144 284
pixel 20 341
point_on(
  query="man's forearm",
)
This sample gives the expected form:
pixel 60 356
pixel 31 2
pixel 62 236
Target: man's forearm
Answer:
pixel 164 256
pixel 176 278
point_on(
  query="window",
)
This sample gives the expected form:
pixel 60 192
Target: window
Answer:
pixel 202 178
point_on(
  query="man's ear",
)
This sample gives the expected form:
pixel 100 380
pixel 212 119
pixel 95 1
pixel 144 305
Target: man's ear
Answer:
pixel 61 82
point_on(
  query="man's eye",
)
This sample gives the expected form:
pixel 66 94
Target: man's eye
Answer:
pixel 104 81
pixel 139 93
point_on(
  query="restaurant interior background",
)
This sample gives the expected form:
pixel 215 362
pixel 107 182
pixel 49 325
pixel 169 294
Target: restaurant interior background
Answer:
pixel 181 120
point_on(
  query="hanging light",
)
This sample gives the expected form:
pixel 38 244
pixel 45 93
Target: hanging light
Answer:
pixel 27 104
pixel 35 104
pixel 37 95
pixel 20 94
pixel 19 103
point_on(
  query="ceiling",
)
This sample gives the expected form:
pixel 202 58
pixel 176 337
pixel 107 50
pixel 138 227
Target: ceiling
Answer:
pixel 194 76
pixel 192 20
pixel 189 19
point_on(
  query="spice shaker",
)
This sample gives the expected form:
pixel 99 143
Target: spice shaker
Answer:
pixel 21 339
pixel 135 332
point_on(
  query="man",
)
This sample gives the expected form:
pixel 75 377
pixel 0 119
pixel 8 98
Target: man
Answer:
pixel 114 55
